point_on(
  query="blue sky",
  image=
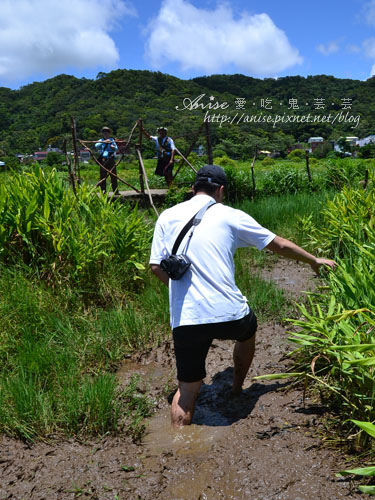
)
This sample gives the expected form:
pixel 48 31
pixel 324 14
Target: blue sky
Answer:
pixel 186 38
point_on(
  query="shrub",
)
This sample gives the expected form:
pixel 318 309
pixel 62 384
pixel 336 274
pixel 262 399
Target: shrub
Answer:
pixel 224 161
pixel 344 171
pixel 322 149
pixel 333 155
pixel 43 225
pixel 54 159
pixel 338 330
pixel 239 185
pixel 286 180
pixel 268 161
pixel 217 152
pixel 297 154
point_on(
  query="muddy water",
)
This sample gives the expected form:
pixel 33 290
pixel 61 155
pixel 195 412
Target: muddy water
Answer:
pixel 262 445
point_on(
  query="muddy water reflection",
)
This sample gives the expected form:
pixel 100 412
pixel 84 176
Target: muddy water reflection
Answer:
pixel 188 451
pixel 188 440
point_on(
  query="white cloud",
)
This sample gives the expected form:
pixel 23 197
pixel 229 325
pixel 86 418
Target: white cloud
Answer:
pixel 46 36
pixel 328 49
pixel 369 12
pixel 212 40
pixel 369 46
pixel 369 49
pixel 353 49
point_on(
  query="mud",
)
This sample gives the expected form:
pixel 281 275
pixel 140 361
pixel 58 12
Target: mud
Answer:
pixel 263 444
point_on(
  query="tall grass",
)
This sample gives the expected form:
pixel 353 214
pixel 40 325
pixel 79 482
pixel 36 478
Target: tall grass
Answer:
pixel 57 363
pixel 283 214
pixel 64 237
pixel 337 331
pixel 71 309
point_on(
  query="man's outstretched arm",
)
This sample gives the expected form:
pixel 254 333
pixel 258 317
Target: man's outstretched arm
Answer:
pixel 159 273
pixel 290 250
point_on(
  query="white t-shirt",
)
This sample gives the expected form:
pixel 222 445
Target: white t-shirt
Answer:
pixel 207 293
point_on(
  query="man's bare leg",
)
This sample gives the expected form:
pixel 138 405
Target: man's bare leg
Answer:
pixel 183 403
pixel 243 354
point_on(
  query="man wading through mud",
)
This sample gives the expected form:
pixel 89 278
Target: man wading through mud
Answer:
pixel 205 303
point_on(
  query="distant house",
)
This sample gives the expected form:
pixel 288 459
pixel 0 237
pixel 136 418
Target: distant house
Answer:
pixel 53 150
pixel 84 154
pixel 350 140
pixel 40 155
pixel 314 143
pixel 367 140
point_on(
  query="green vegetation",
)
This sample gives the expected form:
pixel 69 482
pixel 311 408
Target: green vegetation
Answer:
pixel 336 329
pixel 77 295
pixel 38 114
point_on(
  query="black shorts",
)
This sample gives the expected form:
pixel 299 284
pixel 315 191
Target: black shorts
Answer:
pixel 160 167
pixel 191 343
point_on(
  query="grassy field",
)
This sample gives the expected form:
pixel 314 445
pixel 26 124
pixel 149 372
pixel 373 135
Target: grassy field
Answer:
pixel 77 294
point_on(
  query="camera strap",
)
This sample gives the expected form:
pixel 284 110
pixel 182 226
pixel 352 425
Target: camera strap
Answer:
pixel 193 222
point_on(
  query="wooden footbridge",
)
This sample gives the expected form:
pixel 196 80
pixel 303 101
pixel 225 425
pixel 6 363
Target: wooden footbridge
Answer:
pixel 143 193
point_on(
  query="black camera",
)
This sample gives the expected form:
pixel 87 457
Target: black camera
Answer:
pixel 175 266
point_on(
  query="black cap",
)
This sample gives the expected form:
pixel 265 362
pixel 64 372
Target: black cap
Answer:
pixel 213 174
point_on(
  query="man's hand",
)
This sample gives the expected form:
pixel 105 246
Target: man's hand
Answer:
pixel 159 273
pixel 315 266
pixel 288 249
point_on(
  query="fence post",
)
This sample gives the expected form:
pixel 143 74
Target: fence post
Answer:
pixel 252 171
pixel 366 179
pixel 76 169
pixel 71 174
pixel 307 165
pixel 139 147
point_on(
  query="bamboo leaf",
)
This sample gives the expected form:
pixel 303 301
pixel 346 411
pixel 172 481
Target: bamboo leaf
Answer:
pixel 347 314
pixel 275 376
pixel 354 347
pixel 370 490
pixel 363 361
pixel 362 471
pixel 365 426
pixel 46 207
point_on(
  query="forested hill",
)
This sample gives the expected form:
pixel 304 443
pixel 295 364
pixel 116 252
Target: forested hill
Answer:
pixel 39 113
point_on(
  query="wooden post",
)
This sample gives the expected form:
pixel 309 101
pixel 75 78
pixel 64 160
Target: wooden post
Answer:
pixel 208 142
pixel 366 179
pixel 68 162
pixel 76 169
pixel 252 171
pixel 186 161
pixel 146 181
pixel 139 147
pixel 307 165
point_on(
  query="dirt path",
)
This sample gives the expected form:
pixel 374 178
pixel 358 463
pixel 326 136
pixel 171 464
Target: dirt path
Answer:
pixel 261 445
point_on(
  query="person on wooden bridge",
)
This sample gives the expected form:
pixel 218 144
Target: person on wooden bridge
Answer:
pixel 107 148
pixel 165 151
